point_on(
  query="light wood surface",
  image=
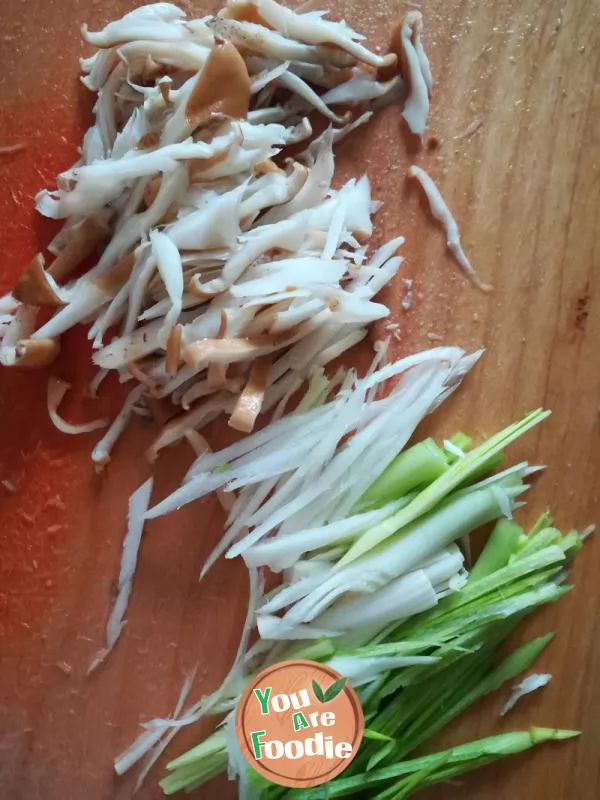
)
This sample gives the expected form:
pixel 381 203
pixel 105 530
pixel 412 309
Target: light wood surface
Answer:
pixel 525 187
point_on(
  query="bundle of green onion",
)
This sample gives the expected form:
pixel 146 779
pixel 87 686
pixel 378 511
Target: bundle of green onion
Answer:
pixel 418 673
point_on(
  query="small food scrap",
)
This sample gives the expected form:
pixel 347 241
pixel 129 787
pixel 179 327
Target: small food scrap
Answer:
pixel 441 212
pixel 54 528
pixel 57 389
pixel 10 149
pixel 470 129
pixel 415 70
pixel 530 684
pixel 138 505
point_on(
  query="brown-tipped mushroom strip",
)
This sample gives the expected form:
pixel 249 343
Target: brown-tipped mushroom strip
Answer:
pixel 249 403
pixel 226 350
pixel 19 329
pixel 173 353
pixel 205 97
pixel 139 344
pixel 176 428
pixel 80 242
pixel 314 189
pixel 33 354
pixel 235 350
pixel 86 298
pixel 36 287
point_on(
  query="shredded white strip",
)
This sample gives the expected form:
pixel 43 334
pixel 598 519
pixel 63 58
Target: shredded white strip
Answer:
pixel 101 452
pixel 530 684
pixel 138 504
pixel 442 213
pixel 57 389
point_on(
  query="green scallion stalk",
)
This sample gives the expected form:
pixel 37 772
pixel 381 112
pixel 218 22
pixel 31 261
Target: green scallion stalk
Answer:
pixel 515 574
pixel 462 441
pixel 498 549
pixel 465 758
pixel 418 466
pixel 453 477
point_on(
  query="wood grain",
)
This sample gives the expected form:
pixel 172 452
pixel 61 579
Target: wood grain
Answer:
pixel 525 187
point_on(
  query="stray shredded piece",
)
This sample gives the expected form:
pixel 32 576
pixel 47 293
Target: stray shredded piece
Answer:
pixel 9 149
pixel 587 531
pixel 420 82
pixel 56 391
pixel 470 129
pixel 138 505
pixel 442 213
pixel 530 684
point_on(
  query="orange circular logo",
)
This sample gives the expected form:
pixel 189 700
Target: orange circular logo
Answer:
pixel 299 723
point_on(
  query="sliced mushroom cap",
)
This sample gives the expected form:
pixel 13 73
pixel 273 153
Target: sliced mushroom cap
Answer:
pixel 223 87
pixel 36 287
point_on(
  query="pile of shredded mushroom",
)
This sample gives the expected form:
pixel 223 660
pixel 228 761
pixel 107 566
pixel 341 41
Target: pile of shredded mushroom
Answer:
pixel 229 267
pixel 225 266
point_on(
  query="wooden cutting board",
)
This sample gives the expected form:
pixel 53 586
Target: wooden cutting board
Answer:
pixel 514 142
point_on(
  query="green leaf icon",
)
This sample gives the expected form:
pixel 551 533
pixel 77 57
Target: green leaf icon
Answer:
pixel 334 689
pixel 318 692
